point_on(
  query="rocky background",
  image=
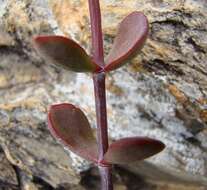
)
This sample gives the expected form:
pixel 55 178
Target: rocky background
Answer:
pixel 162 93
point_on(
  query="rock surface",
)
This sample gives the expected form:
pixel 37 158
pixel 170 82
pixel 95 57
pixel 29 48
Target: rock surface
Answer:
pixel 8 178
pixel 161 94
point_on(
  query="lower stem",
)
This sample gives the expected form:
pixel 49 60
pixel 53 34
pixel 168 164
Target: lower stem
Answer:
pixel 102 132
pixel 106 178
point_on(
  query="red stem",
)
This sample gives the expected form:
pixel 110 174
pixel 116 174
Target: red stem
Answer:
pixel 102 133
pixel 96 31
pixel 100 99
pixel 100 93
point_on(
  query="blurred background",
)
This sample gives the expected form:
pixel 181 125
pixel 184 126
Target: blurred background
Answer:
pixel 162 93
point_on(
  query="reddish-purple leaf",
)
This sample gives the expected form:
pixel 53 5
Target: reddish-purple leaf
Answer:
pixel 132 149
pixel 65 52
pixel 71 127
pixel 131 36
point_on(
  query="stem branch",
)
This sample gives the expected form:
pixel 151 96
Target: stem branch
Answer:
pixel 100 92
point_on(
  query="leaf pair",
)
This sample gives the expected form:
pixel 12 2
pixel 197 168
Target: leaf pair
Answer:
pixel 63 51
pixel 71 127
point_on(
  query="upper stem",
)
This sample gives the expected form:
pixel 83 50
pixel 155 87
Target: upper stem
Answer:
pixel 96 31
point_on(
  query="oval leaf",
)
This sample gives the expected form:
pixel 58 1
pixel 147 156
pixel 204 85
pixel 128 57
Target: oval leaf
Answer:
pixel 131 36
pixel 71 127
pixel 132 149
pixel 65 52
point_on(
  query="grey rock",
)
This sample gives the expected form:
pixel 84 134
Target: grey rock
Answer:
pixel 8 178
pixel 161 94
pixel 31 148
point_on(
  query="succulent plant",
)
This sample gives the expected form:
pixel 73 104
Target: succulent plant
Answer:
pixel 68 123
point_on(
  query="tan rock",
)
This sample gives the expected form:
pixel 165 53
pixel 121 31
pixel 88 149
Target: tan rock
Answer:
pixel 6 39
